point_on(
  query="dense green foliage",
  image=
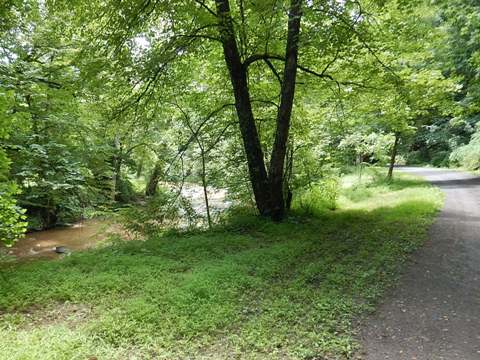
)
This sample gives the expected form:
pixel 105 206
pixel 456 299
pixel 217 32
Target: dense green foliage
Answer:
pixel 457 56
pixel 100 98
pixel 248 288
pixel 12 225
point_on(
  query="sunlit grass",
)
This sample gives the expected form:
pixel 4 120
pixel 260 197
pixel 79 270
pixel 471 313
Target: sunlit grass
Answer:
pixel 249 289
pixel 373 190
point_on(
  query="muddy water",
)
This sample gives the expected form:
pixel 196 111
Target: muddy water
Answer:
pixel 89 233
pixel 82 235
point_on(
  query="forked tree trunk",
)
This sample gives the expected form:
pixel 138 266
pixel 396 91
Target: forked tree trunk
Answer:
pixel 243 106
pixel 267 188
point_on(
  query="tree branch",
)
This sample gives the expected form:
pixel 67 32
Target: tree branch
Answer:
pixel 51 84
pixel 277 75
pixel 184 147
pixel 322 75
pixel 363 41
pixel 203 5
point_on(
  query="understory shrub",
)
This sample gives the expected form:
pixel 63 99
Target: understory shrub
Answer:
pixel 468 156
pixel 321 195
pixel 440 159
pixel 12 218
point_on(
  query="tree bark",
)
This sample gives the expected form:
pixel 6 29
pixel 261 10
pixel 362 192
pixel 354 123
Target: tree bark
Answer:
pixel 288 176
pixel 139 169
pixel 152 185
pixel 393 156
pixel 277 161
pixel 243 105
pixel 268 188
pixel 204 185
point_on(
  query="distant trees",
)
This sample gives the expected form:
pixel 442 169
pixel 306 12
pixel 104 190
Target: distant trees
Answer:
pixel 455 53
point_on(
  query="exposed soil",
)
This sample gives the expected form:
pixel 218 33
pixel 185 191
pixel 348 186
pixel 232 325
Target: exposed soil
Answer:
pixel 58 313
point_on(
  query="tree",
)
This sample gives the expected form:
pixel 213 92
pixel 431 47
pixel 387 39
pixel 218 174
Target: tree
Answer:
pixel 247 42
pixel 267 187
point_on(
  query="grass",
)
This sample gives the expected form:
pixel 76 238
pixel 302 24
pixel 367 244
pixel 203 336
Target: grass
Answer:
pixel 249 289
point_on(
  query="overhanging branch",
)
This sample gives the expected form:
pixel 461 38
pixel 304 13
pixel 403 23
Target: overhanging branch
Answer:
pixel 322 75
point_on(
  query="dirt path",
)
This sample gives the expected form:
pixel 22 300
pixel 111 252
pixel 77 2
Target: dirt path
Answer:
pixel 434 313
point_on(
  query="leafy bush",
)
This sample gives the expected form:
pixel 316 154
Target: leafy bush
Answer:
pixel 441 159
pixel 416 157
pixel 12 224
pixel 125 192
pixel 320 196
pixel 370 148
pixel 468 155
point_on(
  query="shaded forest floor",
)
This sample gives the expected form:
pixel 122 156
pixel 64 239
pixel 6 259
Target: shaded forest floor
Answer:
pixel 248 289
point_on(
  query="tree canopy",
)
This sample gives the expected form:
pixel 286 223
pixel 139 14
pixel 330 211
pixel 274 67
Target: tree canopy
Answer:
pixel 102 102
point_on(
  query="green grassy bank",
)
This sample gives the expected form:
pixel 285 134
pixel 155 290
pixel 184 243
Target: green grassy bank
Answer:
pixel 250 289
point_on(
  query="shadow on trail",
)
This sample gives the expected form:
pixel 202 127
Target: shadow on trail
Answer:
pixel 457 183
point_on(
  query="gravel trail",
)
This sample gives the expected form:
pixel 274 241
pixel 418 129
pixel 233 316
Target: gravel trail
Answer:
pixel 434 312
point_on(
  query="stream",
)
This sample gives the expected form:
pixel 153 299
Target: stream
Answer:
pixel 82 235
pixel 89 233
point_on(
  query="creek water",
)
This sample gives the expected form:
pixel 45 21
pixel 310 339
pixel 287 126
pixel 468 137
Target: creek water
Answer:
pixel 87 234
pixel 217 199
pixel 80 236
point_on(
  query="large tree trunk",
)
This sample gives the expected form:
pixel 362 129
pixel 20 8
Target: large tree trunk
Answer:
pixel 393 156
pixel 288 177
pixel 267 188
pixel 277 161
pixel 248 129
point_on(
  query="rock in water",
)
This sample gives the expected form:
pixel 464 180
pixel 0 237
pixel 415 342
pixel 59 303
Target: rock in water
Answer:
pixel 60 249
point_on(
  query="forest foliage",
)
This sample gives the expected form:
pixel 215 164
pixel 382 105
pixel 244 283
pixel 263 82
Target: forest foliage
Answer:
pixel 104 102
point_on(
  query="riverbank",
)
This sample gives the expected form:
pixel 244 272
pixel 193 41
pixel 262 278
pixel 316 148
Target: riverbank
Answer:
pixel 250 289
pixel 90 233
